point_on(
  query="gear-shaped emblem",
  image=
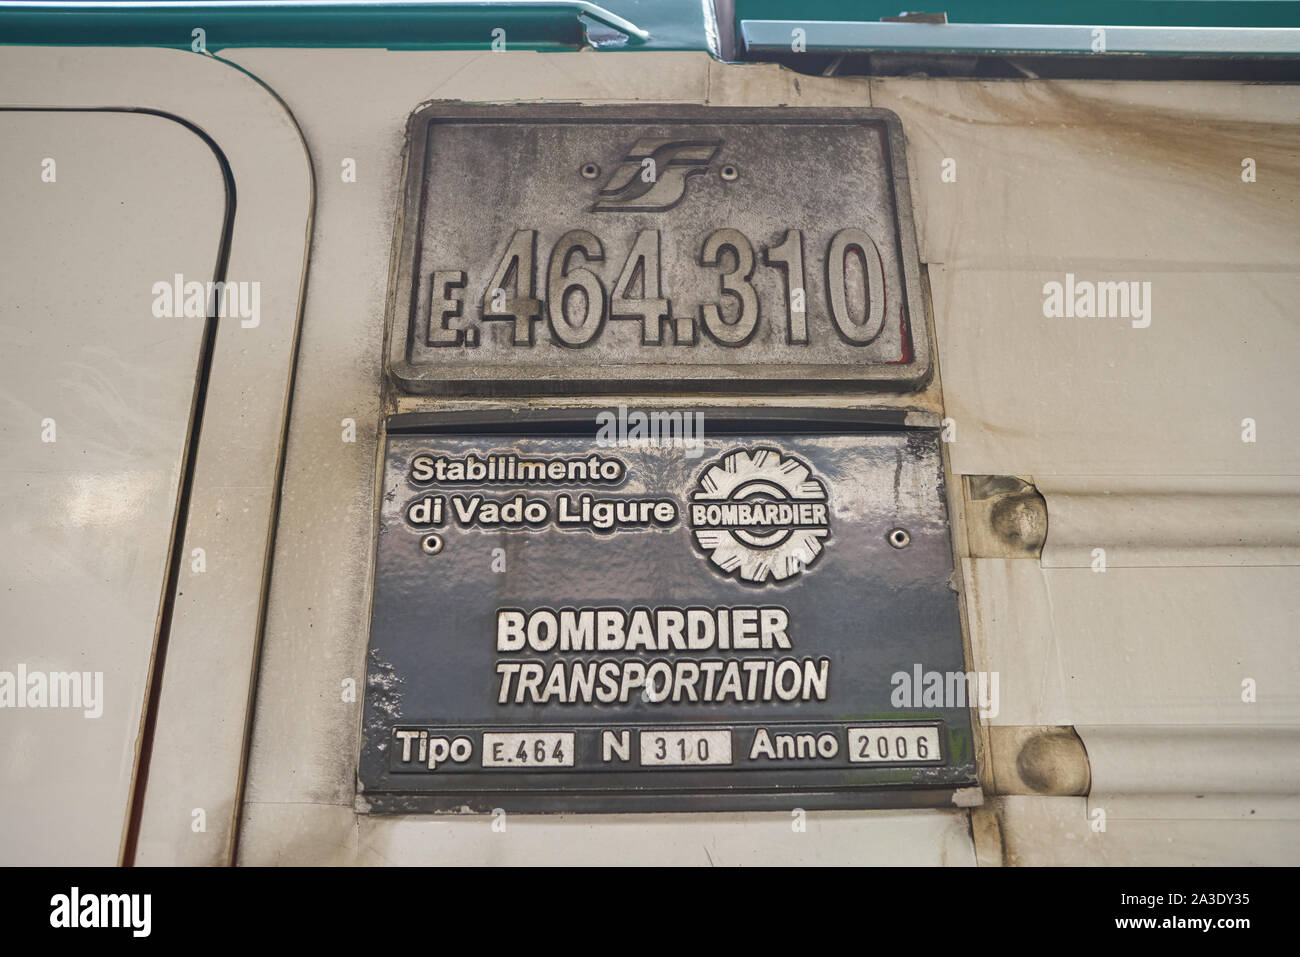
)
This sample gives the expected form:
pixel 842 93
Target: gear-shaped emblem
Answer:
pixel 759 515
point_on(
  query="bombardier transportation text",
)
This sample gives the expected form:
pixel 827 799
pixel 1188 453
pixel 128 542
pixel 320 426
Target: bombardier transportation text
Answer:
pixel 662 680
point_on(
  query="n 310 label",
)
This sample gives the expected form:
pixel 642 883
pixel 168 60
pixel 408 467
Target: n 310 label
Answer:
pixel 538 749
pixel 894 745
pixel 685 748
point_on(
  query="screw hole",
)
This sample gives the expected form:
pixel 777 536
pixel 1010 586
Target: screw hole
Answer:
pixel 590 171
pixel 899 538
pixel 431 544
pixel 729 173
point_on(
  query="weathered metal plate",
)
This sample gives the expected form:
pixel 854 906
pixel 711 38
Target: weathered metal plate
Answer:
pixel 559 623
pixel 590 249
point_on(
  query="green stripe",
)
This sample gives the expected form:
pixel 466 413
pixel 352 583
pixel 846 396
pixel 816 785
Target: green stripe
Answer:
pixel 401 25
pixel 1113 13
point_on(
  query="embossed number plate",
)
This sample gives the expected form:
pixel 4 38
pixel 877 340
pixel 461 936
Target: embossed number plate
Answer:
pixel 573 250
pixel 740 619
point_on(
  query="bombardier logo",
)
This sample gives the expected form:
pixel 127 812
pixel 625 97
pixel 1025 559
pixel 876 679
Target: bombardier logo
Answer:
pixel 758 515
pixel 652 177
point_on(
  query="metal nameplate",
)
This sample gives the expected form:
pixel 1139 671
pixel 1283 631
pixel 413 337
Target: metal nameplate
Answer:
pixel 562 622
pixel 578 250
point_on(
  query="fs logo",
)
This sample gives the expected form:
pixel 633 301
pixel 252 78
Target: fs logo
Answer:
pixel 759 516
pixel 652 177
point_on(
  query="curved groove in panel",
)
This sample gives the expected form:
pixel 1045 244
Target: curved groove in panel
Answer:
pixel 205 691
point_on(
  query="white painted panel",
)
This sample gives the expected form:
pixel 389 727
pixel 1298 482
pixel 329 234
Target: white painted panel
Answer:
pixel 1060 831
pixel 1134 434
pixel 1138 646
pixel 1033 395
pixel 1196 760
pixel 87 520
pixel 857 838
pixel 1176 520
pixel 1116 175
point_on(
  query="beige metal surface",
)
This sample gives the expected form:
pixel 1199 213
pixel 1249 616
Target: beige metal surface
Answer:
pixel 1133 433
pixel 1160 619
pixel 1180 520
pixel 1041 831
pixel 1038 396
pixel 197 760
pixel 1153 646
pixel 324 834
pixel 1110 181
pixel 95 400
